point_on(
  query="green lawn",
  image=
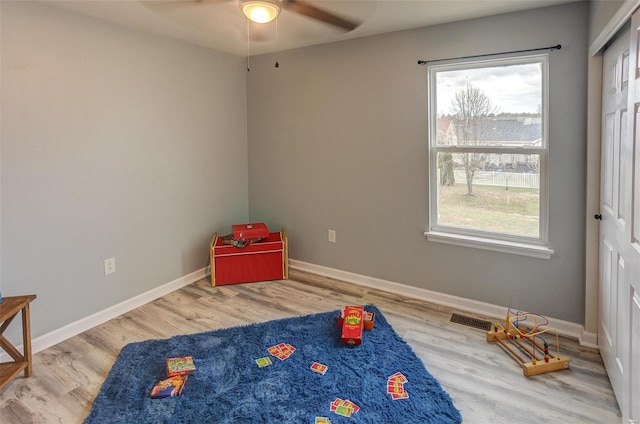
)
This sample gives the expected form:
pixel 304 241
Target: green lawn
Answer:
pixel 514 211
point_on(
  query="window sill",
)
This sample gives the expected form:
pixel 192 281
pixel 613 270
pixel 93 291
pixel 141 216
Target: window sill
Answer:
pixel 523 249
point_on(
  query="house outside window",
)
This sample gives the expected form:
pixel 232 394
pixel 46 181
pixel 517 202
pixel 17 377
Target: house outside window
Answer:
pixel 488 154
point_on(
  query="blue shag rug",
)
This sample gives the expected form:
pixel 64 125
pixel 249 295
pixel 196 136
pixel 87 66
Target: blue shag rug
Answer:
pixel 229 387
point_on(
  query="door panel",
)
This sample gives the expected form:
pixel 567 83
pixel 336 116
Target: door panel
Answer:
pixel 606 276
pixel 634 389
pixel 619 298
pixel 613 210
pixel 607 160
pixel 621 176
pixel 631 411
pixel 619 307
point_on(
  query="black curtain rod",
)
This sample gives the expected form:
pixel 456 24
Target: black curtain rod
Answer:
pixel 556 47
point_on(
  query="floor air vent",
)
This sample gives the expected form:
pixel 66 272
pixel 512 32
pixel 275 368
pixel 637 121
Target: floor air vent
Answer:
pixel 471 322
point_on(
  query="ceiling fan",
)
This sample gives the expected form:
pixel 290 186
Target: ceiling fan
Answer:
pixel 264 11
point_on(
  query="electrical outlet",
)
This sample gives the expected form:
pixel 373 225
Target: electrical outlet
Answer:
pixel 109 266
pixel 332 236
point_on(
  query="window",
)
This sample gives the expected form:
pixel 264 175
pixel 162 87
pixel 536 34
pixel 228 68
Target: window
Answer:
pixel 488 153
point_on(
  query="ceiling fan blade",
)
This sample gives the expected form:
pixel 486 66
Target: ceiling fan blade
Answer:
pixel 306 9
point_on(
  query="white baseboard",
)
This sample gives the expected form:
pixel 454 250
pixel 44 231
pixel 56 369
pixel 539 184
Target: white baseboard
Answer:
pixel 488 310
pixel 56 336
pixel 565 328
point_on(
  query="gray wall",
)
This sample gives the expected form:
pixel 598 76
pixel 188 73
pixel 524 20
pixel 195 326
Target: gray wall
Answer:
pixel 601 13
pixel 338 140
pixel 115 143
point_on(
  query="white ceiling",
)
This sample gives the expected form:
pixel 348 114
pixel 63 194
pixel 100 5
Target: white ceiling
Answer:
pixel 220 25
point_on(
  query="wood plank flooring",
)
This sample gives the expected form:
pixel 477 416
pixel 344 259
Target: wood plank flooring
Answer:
pixel 486 384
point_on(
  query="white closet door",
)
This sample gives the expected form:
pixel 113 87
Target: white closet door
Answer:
pixel 619 296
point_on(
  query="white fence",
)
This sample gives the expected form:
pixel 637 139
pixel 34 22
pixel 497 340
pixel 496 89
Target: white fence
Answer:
pixel 501 179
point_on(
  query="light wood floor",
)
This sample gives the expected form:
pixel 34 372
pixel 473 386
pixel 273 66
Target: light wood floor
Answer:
pixel 487 385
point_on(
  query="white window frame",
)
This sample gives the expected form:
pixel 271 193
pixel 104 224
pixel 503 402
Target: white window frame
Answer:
pixel 528 246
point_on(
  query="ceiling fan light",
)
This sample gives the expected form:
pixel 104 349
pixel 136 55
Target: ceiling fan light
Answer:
pixel 260 12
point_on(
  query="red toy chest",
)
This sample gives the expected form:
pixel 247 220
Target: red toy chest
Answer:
pixel 260 261
pixel 256 230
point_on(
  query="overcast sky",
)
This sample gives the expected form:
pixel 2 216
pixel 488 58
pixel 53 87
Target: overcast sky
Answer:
pixel 514 88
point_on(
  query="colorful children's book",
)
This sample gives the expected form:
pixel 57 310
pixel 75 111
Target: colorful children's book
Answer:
pixel 180 366
pixel 170 387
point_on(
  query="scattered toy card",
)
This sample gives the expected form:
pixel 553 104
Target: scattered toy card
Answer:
pixel 346 408
pixel 281 351
pixel 395 386
pixel 402 395
pixel 351 405
pixel 344 411
pixel 273 350
pixel 263 362
pixel 319 368
pixel 398 378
